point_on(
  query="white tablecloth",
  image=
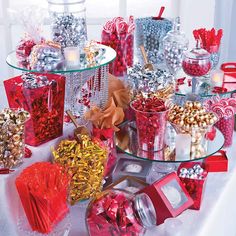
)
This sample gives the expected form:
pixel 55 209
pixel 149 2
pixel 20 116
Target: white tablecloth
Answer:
pixel 216 217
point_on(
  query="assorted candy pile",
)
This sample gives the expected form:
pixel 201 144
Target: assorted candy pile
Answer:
pixel 151 117
pixel 118 34
pixel 193 176
pixel 85 162
pixel 43 97
pixel 113 214
pixel 42 188
pixel 12 146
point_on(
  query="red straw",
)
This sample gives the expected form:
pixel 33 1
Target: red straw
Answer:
pixel 159 17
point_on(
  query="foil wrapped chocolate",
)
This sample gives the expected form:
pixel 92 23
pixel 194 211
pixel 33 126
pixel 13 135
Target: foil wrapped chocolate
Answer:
pixel 46 57
pixel 144 81
pixel 85 162
pixel 31 81
pixel 68 29
pixel 12 137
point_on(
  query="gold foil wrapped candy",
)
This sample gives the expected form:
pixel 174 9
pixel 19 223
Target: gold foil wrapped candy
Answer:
pixel 85 162
pixel 12 124
pixel 194 120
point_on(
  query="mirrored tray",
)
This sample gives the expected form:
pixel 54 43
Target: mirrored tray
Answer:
pixel 107 56
pixel 126 141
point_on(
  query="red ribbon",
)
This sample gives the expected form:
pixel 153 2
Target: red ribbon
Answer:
pixel 103 134
pixel 4 171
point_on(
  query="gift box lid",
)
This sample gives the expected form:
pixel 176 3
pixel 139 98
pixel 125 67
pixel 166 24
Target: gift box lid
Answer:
pixel 128 183
pixel 217 162
pixel 131 167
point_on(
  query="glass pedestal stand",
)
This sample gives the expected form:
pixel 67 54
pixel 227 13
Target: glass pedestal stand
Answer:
pixel 86 85
pixel 85 89
pixel 164 161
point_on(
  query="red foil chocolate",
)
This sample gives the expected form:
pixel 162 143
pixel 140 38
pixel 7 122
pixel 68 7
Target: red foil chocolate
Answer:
pixel 107 138
pixel 113 214
pixel 151 118
pixel 196 69
pixel 45 105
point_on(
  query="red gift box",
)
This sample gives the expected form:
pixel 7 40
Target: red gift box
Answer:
pixel 45 105
pixel 217 162
pixel 229 81
pixel 195 187
pixel 169 197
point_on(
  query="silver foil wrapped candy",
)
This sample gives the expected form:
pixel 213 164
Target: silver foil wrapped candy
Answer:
pixel 143 81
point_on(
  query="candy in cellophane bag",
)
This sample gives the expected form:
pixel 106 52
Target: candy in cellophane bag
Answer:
pixel 31 18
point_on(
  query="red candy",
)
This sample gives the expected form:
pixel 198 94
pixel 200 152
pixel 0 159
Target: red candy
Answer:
pixel 28 153
pixel 119 35
pixel 113 214
pixel 107 137
pixel 196 69
pixel 45 105
pixel 151 118
pixel 226 126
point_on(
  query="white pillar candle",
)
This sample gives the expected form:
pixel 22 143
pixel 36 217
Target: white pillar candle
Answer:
pixel 217 78
pixel 72 57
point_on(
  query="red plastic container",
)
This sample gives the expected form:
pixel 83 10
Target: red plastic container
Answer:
pixel 45 105
pixel 195 187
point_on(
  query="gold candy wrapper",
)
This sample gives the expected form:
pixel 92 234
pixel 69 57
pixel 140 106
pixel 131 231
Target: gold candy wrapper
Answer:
pixel 86 163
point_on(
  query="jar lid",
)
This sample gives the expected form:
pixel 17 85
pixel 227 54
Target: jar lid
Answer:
pixel 145 210
pixel 175 35
pixel 65 2
pixel 198 52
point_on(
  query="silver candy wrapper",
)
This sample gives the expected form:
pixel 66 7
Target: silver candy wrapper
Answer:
pixel 31 81
pixel 69 30
pixel 45 57
pixel 143 81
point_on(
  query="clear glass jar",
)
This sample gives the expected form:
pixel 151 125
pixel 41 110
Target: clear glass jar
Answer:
pixel 174 44
pixel 197 62
pixel 68 19
pixel 117 212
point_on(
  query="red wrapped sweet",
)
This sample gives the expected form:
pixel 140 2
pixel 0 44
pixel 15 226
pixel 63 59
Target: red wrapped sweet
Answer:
pixel 107 138
pixel 119 213
pixel 119 35
pixel 151 118
pixel 42 188
pixel 43 97
pixel 193 176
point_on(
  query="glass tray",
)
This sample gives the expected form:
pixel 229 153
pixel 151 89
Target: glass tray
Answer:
pixel 126 141
pixel 228 88
pixel 108 56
